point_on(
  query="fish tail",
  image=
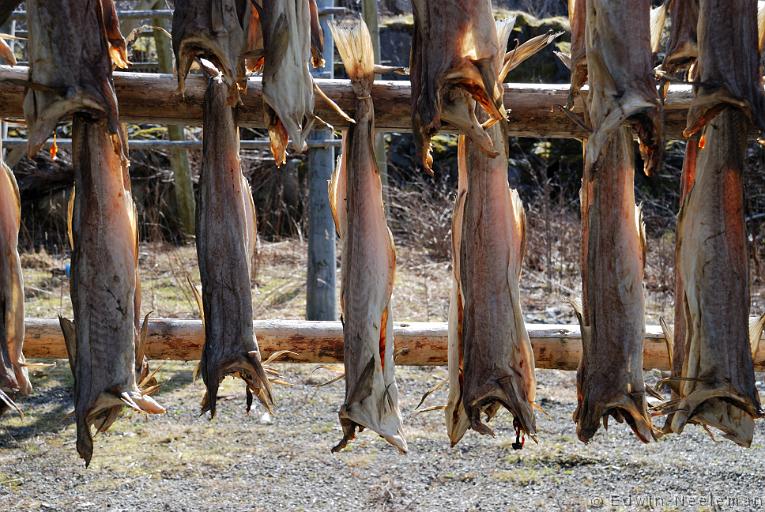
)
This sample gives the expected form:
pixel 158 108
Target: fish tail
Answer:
pixel 247 367
pixel 354 44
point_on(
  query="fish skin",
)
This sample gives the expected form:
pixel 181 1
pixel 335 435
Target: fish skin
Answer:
pixel 369 260
pixel 712 376
pixel 69 77
pixel 454 48
pixel 13 375
pixel 216 30
pixel 225 247
pixel 610 374
pixel 288 94
pixel 103 283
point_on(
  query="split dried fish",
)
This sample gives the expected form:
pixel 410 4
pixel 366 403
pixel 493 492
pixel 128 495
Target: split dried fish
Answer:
pixel 13 372
pixel 456 58
pixel 225 241
pixel 369 259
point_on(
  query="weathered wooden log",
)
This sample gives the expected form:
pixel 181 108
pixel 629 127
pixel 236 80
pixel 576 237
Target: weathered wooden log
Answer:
pixel 417 343
pixel 535 109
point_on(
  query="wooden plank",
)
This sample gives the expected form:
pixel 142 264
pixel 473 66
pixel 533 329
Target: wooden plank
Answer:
pixel 417 343
pixel 152 97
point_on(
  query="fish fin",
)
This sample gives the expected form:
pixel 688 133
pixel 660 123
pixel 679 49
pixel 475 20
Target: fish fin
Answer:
pixel 143 336
pixel 317 36
pixel 658 18
pixel 755 333
pixel 354 44
pixel 7 403
pixel 70 218
pixel 278 137
pixel 331 104
pixel 528 49
pixel 669 338
pixel 279 353
pixel 70 341
pixel 564 58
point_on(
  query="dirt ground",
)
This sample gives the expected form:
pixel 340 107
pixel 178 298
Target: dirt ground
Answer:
pixel 183 461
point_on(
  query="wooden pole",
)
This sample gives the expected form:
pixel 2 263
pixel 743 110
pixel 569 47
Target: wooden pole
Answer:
pixel 179 159
pixel 417 343
pixel 151 97
pixel 322 259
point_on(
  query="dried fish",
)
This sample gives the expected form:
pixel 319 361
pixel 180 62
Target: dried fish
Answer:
pixel 491 362
pixel 624 91
pixel 713 375
pixel 729 64
pixel 13 373
pixel 369 259
pixel 225 247
pixel 610 375
pixel 456 58
pixel 289 28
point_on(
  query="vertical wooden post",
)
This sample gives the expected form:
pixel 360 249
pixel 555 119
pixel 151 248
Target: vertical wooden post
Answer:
pixel 320 295
pixel 371 18
pixel 179 160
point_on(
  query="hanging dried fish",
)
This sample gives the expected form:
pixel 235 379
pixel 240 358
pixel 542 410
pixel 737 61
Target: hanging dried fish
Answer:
pixel 225 247
pixel 455 60
pixel 610 375
pixel 369 259
pixel 104 345
pixel 491 363
pixel 13 372
pixel 216 30
pixel 73 76
pixel 716 383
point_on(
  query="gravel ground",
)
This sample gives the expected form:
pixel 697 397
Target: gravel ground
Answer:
pixel 183 461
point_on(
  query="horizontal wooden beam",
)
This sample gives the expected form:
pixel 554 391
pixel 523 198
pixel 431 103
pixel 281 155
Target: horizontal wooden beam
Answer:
pixel 417 343
pixel 535 109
